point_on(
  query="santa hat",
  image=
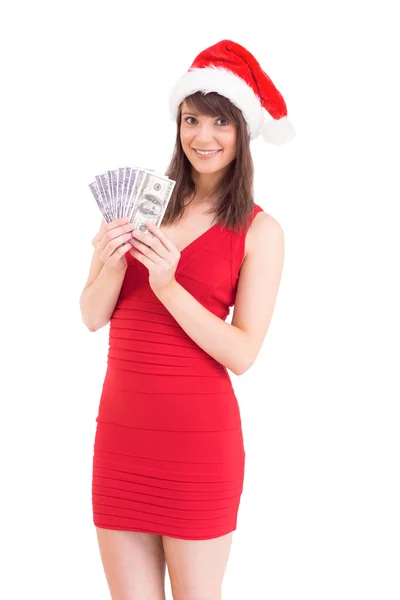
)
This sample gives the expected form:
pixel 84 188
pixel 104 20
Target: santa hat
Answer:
pixel 230 70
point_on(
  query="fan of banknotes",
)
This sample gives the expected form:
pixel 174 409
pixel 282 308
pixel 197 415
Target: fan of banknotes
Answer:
pixel 139 194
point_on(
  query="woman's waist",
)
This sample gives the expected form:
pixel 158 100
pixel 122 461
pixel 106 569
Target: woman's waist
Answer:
pixel 177 404
pixel 140 372
pixel 151 349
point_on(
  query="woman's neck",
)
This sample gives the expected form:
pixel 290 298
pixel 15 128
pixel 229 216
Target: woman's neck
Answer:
pixel 205 184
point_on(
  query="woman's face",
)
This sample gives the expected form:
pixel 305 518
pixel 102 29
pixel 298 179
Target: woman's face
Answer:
pixel 202 132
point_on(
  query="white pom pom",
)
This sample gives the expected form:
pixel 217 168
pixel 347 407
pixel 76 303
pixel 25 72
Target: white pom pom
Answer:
pixel 278 131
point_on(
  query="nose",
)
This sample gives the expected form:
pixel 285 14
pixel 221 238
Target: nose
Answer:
pixel 205 133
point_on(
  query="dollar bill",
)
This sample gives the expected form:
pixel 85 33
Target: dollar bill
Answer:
pixel 151 200
pixel 102 184
pixel 111 189
pixel 120 187
pixel 100 201
pixel 133 188
pixel 114 189
pixel 130 183
pixel 131 201
pixel 140 194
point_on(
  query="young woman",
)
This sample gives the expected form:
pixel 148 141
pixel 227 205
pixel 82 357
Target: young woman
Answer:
pixel 168 464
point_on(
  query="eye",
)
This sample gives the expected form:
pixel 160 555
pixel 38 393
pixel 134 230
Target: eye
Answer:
pixel 225 122
pixel 189 118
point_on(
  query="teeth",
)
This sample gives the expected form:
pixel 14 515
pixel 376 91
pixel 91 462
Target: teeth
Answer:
pixel 205 152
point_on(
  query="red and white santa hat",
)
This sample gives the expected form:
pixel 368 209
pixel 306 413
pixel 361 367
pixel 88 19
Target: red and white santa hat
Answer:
pixel 230 70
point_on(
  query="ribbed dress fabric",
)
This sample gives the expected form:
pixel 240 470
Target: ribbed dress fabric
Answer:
pixel 168 453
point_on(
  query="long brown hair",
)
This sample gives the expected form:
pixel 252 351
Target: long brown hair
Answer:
pixel 235 191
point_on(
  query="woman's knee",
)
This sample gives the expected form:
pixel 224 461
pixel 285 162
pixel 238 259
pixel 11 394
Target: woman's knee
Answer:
pixel 196 567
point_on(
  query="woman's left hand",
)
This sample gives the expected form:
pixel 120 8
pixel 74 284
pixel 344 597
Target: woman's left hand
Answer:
pixel 158 254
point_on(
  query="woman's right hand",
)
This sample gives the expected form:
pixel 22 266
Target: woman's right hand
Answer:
pixel 113 241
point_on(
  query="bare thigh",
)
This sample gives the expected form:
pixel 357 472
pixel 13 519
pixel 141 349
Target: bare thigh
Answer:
pixel 196 567
pixel 134 564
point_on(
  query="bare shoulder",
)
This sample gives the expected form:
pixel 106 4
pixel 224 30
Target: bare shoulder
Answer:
pixel 263 231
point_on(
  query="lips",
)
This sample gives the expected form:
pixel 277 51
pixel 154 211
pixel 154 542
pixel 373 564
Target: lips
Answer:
pixel 204 153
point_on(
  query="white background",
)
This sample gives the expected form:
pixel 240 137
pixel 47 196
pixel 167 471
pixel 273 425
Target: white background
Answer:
pixel 85 87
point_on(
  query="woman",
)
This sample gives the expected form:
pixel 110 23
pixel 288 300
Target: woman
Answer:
pixel 168 464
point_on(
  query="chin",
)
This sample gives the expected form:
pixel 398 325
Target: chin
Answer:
pixel 207 169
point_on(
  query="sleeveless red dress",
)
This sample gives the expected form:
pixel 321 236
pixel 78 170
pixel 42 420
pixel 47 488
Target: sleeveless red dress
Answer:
pixel 168 451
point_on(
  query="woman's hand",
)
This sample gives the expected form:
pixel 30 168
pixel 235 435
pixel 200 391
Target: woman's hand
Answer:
pixel 113 241
pixel 158 254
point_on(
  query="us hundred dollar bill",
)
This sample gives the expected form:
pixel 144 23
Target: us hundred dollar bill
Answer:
pixel 133 189
pixel 130 175
pixel 101 203
pixel 120 190
pixel 152 199
pixel 113 178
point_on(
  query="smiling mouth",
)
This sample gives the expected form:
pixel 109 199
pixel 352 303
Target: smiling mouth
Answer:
pixel 206 152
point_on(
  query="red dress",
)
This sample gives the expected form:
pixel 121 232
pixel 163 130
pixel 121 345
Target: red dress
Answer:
pixel 168 451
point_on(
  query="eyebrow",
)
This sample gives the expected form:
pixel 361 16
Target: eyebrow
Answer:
pixel 190 113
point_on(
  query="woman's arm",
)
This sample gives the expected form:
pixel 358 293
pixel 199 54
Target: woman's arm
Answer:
pixel 98 299
pixel 236 345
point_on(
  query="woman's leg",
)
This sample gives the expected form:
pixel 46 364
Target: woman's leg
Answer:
pixel 196 567
pixel 134 564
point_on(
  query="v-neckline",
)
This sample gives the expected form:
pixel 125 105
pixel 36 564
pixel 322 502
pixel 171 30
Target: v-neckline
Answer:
pixel 189 251
pixel 199 237
pixel 198 245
